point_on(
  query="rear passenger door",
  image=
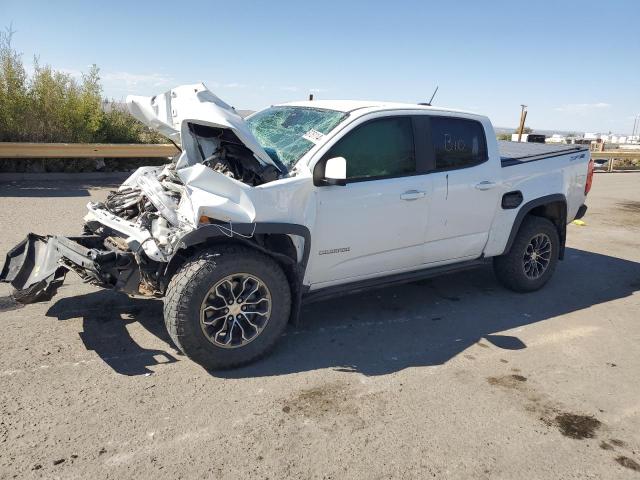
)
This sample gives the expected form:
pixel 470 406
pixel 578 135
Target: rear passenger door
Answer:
pixel 376 223
pixel 466 189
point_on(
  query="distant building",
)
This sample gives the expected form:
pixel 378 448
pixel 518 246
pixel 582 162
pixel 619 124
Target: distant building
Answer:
pixel 613 138
pixel 557 138
pixel 529 137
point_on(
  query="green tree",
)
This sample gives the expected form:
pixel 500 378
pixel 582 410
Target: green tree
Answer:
pixel 90 112
pixel 13 90
pixel 53 106
pixel 119 127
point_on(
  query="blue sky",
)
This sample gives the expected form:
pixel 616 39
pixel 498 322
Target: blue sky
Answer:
pixel 575 63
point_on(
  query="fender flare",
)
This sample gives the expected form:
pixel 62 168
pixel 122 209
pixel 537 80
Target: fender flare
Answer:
pixel 526 208
pixel 242 233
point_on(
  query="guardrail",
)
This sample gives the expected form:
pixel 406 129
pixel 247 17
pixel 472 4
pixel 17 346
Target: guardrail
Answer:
pixel 613 155
pixel 85 150
pixel 621 154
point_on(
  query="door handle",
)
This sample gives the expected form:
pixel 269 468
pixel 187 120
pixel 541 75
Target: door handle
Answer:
pixel 486 185
pixel 412 195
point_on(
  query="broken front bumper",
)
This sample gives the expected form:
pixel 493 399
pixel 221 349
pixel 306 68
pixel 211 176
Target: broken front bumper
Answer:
pixel 36 267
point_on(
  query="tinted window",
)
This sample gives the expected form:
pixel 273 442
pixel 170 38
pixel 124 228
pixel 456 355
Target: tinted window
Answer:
pixel 457 142
pixel 380 148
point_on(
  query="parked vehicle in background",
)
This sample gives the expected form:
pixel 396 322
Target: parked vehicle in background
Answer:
pixel 307 200
pixel 601 163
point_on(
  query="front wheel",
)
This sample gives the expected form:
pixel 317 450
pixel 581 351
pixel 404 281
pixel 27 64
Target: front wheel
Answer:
pixel 533 257
pixel 227 306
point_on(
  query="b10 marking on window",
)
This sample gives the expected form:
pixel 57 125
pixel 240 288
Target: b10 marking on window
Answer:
pixel 454 144
pixel 457 142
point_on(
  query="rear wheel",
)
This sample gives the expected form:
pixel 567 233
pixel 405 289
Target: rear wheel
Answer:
pixel 532 259
pixel 227 307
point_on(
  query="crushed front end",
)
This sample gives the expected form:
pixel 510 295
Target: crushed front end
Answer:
pixel 36 267
pixel 126 245
pixel 130 238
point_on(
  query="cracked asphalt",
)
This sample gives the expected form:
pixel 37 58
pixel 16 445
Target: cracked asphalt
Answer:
pixel 451 378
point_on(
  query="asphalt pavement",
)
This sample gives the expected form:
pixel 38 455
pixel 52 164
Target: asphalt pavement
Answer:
pixel 454 377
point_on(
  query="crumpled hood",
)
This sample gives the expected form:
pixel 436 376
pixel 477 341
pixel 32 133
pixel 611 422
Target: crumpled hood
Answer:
pixel 170 112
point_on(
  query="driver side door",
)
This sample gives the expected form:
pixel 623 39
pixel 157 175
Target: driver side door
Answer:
pixel 376 223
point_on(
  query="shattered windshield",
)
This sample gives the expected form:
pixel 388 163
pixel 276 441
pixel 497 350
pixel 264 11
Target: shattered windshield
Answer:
pixel 289 132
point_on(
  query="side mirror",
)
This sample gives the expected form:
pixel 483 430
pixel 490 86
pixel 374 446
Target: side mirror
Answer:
pixel 335 171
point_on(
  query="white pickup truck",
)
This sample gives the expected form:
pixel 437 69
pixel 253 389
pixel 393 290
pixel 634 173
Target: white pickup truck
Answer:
pixel 307 200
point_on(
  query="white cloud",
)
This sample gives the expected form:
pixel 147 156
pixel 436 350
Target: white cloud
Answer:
pixel 233 85
pixel 581 107
pixel 226 85
pixel 72 72
pixel 119 84
pixel 77 74
pixel 135 80
pixel 291 88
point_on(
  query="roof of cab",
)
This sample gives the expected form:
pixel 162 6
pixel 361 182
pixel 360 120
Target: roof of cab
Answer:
pixel 367 106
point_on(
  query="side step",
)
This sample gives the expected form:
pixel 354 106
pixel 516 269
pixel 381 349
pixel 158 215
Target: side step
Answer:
pixel 381 282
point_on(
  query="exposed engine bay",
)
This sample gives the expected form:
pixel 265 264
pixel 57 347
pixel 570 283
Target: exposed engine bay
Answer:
pixel 212 137
pixel 218 149
pixel 152 197
pixel 221 150
pixel 148 199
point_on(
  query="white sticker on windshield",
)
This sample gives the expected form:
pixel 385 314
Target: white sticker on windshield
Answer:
pixel 313 136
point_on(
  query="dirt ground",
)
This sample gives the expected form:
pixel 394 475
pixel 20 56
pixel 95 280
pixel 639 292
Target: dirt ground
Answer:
pixel 453 377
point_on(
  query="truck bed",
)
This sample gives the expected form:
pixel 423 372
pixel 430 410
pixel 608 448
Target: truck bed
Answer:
pixel 516 153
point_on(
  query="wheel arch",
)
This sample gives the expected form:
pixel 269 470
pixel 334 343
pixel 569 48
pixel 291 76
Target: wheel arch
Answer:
pixel 271 239
pixel 552 207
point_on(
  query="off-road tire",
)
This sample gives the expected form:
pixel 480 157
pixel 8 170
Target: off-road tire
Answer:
pixel 187 290
pixel 509 267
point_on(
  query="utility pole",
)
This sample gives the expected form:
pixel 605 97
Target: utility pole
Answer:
pixel 523 117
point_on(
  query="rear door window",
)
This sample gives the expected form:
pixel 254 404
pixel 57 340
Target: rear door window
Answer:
pixel 457 142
